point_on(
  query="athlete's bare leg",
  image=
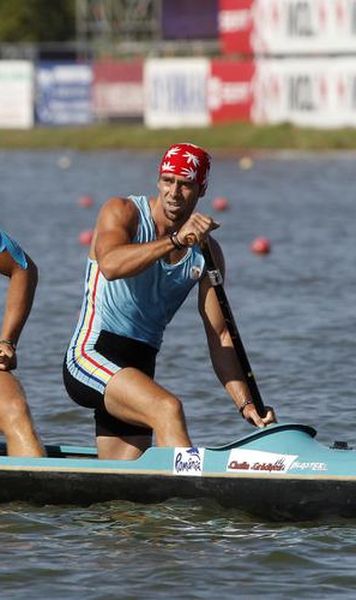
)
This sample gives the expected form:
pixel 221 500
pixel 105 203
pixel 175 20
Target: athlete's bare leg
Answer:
pixel 135 398
pixel 125 448
pixel 15 419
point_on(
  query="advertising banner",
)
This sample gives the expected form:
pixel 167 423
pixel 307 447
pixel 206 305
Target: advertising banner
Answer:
pixel 308 92
pixel 318 92
pixel 273 27
pixel 176 92
pixel 64 94
pixel 16 94
pixel 235 25
pixel 230 90
pixel 118 89
pixel 304 26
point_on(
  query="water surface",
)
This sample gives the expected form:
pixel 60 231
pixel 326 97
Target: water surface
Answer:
pixel 295 309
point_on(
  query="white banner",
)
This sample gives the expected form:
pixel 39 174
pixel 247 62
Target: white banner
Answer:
pixel 16 94
pixel 306 92
pixel 304 26
pixel 175 92
pixel 275 27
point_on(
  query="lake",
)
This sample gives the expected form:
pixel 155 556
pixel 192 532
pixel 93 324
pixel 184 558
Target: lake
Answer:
pixel 295 309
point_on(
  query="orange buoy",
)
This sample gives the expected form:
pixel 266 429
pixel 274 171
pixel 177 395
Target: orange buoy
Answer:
pixel 85 201
pixel 220 203
pixel 260 245
pixel 85 237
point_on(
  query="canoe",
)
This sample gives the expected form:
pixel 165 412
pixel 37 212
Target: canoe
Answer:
pixel 280 473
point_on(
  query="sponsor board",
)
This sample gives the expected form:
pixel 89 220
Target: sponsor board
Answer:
pixel 257 461
pixel 188 461
pixel 304 26
pixel 230 90
pixel 16 94
pixel 287 26
pixel 319 92
pixel 118 89
pixel 175 92
pixel 197 92
pixel 236 26
pixel 64 94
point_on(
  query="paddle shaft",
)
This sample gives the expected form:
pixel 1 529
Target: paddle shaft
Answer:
pixel 217 282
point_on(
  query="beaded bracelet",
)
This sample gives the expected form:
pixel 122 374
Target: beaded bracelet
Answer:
pixel 244 404
pixel 9 343
pixel 175 241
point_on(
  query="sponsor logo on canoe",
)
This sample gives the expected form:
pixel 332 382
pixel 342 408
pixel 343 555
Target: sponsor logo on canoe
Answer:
pixel 188 461
pixel 255 461
pixel 309 466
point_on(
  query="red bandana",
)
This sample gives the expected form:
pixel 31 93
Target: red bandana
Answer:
pixel 189 161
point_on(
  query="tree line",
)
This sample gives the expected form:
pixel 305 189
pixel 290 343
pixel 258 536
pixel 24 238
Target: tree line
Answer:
pixel 36 21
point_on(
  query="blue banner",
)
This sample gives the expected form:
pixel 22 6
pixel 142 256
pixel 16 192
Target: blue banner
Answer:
pixel 64 94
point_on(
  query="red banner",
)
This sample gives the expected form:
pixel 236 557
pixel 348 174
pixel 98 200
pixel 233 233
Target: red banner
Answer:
pixel 235 23
pixel 230 92
pixel 118 89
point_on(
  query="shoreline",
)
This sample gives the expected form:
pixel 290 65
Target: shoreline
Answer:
pixel 229 139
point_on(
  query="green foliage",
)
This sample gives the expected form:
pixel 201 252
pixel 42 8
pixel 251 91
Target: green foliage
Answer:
pixel 37 20
pixel 229 139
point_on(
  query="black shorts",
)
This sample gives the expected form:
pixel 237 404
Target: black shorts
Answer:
pixel 123 352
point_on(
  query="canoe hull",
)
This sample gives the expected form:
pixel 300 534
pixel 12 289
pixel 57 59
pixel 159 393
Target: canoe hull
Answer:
pixel 274 499
pixel 312 487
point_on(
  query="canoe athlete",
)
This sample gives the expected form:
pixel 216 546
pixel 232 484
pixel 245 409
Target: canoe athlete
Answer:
pixel 144 259
pixel 15 418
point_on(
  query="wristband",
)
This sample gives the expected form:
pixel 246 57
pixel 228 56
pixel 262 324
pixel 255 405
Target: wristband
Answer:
pixel 9 343
pixel 244 404
pixel 175 241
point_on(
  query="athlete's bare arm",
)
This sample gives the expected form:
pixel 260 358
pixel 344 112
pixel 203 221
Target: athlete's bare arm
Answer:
pixel 223 355
pixel 19 299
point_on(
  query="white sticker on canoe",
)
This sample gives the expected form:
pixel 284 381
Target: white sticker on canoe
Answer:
pixel 188 461
pixel 309 466
pixel 255 461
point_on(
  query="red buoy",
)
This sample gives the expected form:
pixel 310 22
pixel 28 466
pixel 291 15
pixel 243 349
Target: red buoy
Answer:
pixel 220 203
pixel 260 245
pixel 85 237
pixel 85 201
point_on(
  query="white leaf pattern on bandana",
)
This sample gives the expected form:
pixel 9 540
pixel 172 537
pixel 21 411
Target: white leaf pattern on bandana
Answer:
pixel 190 174
pixel 191 158
pixel 167 166
pixel 173 151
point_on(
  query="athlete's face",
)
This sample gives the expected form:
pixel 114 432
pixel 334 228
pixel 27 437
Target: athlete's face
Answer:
pixel 178 195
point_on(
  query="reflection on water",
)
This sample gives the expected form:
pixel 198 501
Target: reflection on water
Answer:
pixel 295 309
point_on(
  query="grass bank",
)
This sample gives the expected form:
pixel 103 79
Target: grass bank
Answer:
pixel 233 137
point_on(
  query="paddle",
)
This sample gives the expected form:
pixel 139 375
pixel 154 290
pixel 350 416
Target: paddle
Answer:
pixel 217 282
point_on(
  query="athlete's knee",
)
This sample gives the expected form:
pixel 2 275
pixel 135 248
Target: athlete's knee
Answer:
pixel 170 408
pixel 16 412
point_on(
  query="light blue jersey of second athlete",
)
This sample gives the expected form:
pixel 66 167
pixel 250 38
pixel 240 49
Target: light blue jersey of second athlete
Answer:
pixel 138 307
pixel 13 248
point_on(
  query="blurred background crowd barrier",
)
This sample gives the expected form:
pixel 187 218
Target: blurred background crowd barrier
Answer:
pixel 173 64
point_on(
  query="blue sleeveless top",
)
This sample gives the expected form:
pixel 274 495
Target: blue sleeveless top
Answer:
pixel 13 248
pixel 141 306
